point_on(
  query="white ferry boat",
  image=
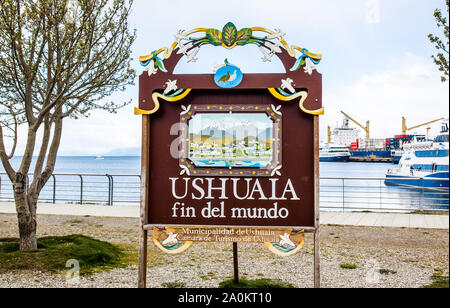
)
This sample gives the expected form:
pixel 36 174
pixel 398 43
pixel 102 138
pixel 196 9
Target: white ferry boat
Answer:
pixel 397 155
pixel 424 164
pixel 334 153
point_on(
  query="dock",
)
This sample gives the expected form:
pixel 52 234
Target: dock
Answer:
pixel 371 159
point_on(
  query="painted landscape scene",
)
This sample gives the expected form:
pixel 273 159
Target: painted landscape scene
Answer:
pixel 231 140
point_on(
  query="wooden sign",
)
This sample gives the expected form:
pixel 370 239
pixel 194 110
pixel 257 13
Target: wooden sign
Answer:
pixel 229 156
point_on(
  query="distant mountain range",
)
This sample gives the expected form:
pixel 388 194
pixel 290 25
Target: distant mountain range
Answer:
pixel 124 152
pixel 239 132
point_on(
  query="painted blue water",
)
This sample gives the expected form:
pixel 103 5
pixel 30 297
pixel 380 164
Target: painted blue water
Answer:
pixel 237 164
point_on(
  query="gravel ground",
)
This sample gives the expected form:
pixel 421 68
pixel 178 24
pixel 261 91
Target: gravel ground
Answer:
pixel 413 254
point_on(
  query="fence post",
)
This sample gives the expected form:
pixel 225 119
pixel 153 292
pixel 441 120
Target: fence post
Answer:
pixel 54 188
pixel 110 189
pixel 81 188
pixel 343 195
pixel 381 206
pixel 422 192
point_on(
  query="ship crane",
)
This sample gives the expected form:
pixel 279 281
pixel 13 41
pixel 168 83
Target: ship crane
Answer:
pixel 329 135
pixel 405 128
pixel 366 128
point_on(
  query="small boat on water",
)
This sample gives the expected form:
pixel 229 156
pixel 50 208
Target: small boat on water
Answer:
pixel 424 164
pixel 334 153
pixel 98 157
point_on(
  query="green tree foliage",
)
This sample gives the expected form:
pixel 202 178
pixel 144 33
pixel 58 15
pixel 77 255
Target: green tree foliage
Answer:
pixel 58 59
pixel 442 44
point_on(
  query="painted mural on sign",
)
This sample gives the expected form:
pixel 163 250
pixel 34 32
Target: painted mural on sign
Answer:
pixel 231 140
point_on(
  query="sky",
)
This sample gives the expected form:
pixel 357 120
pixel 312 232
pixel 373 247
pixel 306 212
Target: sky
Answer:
pixel 225 121
pixel 376 63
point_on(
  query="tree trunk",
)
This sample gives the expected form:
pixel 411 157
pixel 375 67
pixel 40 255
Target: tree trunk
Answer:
pixel 27 231
pixel 26 214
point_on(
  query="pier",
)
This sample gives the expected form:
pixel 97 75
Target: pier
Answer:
pixel 371 159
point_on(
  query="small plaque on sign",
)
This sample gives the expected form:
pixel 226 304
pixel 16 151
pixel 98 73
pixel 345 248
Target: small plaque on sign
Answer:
pixel 172 239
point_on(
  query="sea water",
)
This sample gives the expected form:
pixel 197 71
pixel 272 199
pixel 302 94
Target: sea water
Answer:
pixel 342 185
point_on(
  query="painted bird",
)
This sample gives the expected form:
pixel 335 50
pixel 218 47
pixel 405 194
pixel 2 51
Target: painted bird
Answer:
pixel 233 76
pixel 225 78
pixel 286 241
pixel 171 240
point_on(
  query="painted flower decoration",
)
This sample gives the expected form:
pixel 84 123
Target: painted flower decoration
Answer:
pixel 306 60
pixel 309 66
pixel 229 37
pixel 153 63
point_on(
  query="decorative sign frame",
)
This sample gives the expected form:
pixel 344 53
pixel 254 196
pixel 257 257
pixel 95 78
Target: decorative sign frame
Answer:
pixel 236 169
pixel 225 154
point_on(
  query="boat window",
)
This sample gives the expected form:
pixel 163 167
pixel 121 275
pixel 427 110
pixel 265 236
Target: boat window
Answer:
pixel 432 153
pixel 442 138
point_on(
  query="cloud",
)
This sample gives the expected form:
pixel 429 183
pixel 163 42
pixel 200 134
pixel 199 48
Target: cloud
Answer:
pixel 384 91
pixel 409 86
pixel 102 133
pixel 373 14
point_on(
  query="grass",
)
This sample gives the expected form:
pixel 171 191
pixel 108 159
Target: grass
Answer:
pixel 428 212
pixel 348 266
pixel 255 284
pixel 438 282
pixel 173 285
pixel 387 272
pixel 53 253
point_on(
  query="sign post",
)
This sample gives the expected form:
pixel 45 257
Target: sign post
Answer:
pixel 230 157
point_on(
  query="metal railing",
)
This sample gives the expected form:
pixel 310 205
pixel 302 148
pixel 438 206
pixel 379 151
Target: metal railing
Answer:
pixel 372 194
pixel 106 189
pixel 336 193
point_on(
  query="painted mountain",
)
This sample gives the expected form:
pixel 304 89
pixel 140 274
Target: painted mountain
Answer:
pixel 215 132
pixel 239 132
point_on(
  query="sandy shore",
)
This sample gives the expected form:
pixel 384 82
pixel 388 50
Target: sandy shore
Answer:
pixel 413 254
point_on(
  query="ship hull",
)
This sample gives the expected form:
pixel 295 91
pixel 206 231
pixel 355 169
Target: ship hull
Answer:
pixel 438 181
pixel 375 153
pixel 396 159
pixel 337 159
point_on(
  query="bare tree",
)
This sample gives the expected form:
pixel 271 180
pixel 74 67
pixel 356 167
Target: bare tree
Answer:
pixel 58 59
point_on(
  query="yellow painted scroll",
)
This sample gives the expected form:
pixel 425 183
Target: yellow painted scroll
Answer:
pixel 303 95
pixel 156 96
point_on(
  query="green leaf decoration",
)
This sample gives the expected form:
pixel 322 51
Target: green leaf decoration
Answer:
pixel 243 36
pixel 229 34
pixel 214 37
